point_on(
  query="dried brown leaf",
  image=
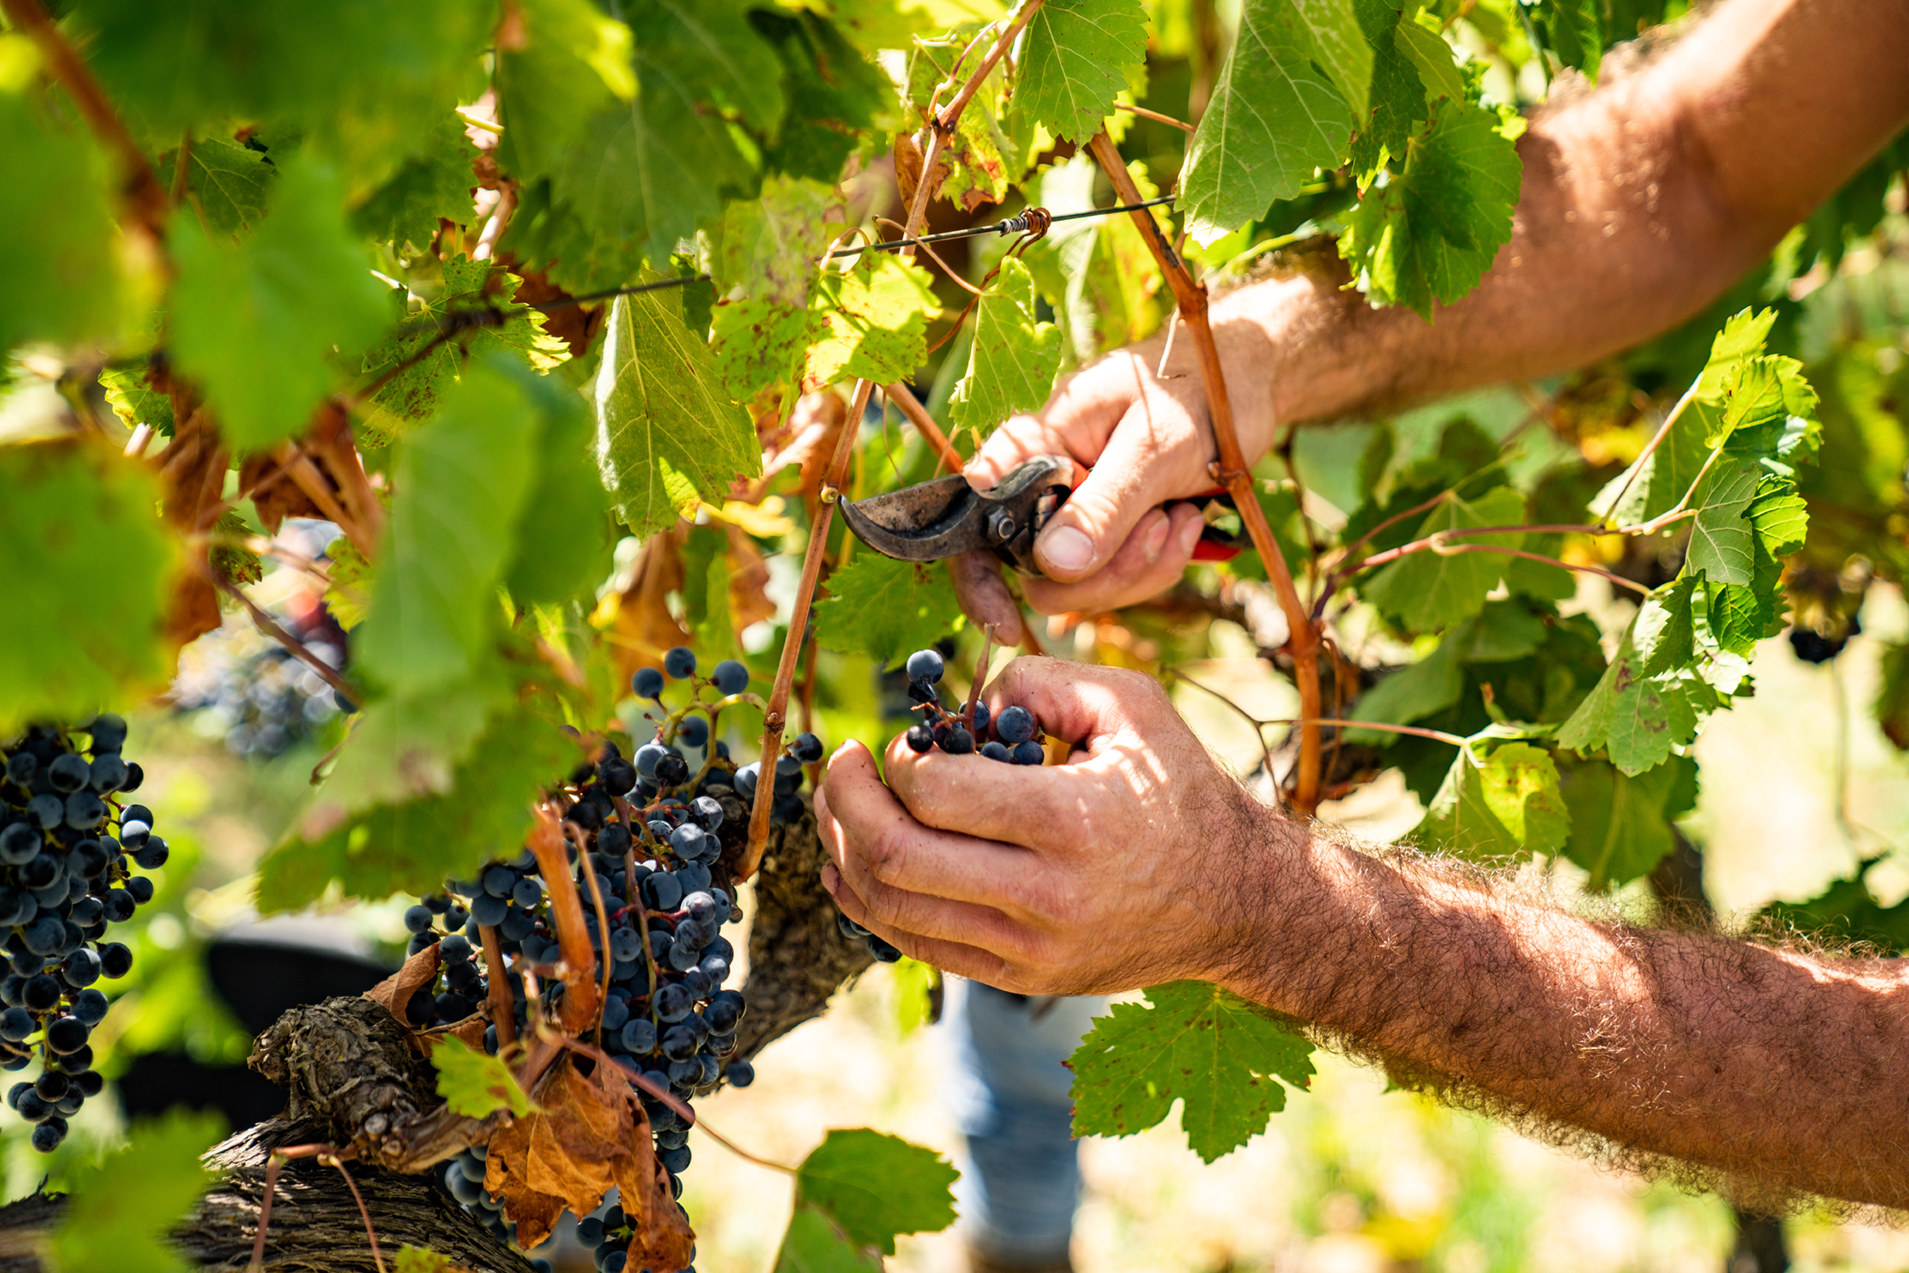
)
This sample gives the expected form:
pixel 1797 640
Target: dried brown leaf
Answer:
pixel 394 992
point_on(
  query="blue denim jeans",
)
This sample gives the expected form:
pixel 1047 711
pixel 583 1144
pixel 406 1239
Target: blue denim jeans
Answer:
pixel 1009 1090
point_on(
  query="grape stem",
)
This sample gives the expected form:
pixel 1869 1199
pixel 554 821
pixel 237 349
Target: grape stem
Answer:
pixel 547 843
pixel 270 627
pixel 904 398
pixel 1232 472
pixel 941 127
pixel 588 870
pixel 333 1159
pixel 703 1126
pixel 1442 545
pixel 503 1014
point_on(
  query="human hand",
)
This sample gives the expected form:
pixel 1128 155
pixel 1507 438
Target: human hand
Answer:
pixel 1138 861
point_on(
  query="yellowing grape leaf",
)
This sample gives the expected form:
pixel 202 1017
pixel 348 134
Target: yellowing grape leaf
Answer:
pixel 886 608
pixel 1194 1043
pixel 1013 358
pixel 877 314
pixel 759 343
pixel 256 322
pixel 666 432
pixel 770 245
pixel 474 1084
pixel 1074 60
pixel 1274 119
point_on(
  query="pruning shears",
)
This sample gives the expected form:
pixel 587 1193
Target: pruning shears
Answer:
pixel 947 517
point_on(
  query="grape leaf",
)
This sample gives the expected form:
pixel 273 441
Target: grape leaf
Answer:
pixel 1720 535
pixel 1427 591
pixel 1421 689
pixel 1430 56
pixel 877 314
pixel 75 513
pixel 876 1186
pixel 1192 1042
pixel 1397 96
pixel 1779 516
pixel 1430 233
pixel 120 1211
pixel 227 184
pixel 816 1244
pixel 135 402
pixel 1504 803
pixel 873 25
pixel 886 608
pixel 415 846
pixel 58 244
pixel 1073 62
pixel 1574 29
pixel 576 255
pixel 1637 718
pixel 1339 45
pixel 561 545
pixel 461 480
pixel 712 44
pixel 1620 823
pixel 761 343
pixel 770 245
pixel 837 99
pixel 256 322
pixel 1272 122
pixel 971 168
pixel 1664 630
pixel 473 1084
pixel 1013 359
pixel 423 366
pixel 568 60
pixel 665 433
pixel 435 183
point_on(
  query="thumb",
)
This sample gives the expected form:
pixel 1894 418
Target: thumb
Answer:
pixel 1125 484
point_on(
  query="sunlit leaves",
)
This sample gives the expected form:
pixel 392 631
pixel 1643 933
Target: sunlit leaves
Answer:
pixel 1075 55
pixel 770 245
pixel 1273 121
pixel 1013 359
pixel 1636 718
pixel 1191 1042
pixel 121 1212
pixel 473 1084
pixel 877 315
pixel 1339 45
pixel 877 1186
pixel 666 432
pixel 886 608
pixel 256 322
pixel 1430 590
pixel 1499 802
pixel 83 553
pixel 562 60
pixel 1429 233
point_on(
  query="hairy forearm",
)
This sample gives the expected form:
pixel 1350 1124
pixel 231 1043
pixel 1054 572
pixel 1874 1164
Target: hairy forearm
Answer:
pixel 1640 203
pixel 1790 1073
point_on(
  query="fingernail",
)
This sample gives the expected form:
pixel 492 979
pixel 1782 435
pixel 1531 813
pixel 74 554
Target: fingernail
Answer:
pixel 1190 535
pixel 1153 537
pixel 1066 548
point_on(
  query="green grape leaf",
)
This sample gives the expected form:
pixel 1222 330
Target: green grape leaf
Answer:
pixel 875 25
pixel 1273 120
pixel 72 514
pixel 476 1085
pixel 578 256
pixel 431 185
pixel 1427 591
pixel 886 608
pixel 1636 719
pixel 562 543
pixel 876 1186
pixel 121 1212
pixel 1429 234
pixel 666 434
pixel 423 366
pixel 837 99
pixel 1339 45
pixel 1664 630
pixel 1397 96
pixel 1421 689
pixel 770 245
pixel 1013 359
pixel 59 246
pixel 568 60
pixel 1432 58
pixel 711 43
pixel 816 1244
pixel 135 402
pixel 1721 540
pixel 1779 516
pixel 256 322
pixel 463 479
pixel 761 343
pixel 415 846
pixel 1074 60
pixel 1191 1042
pixel 877 314
pixel 227 184
pixel 1620 823
pixel 1504 803
pixel 1740 615
pixel 1574 29
pixel 1752 396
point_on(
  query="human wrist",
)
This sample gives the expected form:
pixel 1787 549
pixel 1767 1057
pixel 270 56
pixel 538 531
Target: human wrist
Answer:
pixel 1278 888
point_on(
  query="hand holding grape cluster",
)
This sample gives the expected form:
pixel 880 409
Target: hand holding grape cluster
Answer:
pixel 64 879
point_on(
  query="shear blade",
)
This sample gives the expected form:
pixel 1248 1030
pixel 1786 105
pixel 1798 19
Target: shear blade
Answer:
pixel 928 522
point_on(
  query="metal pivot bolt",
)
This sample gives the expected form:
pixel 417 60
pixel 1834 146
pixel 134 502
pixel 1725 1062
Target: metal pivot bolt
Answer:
pixel 1001 525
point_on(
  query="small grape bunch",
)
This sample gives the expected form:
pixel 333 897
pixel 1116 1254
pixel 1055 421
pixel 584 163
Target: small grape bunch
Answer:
pixel 64 880
pixel 1015 738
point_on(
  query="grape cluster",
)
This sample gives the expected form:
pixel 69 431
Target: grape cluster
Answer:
pixel 651 828
pixel 1016 738
pixel 64 879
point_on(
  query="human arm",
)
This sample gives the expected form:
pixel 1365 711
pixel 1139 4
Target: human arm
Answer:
pixel 1139 862
pixel 1640 203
